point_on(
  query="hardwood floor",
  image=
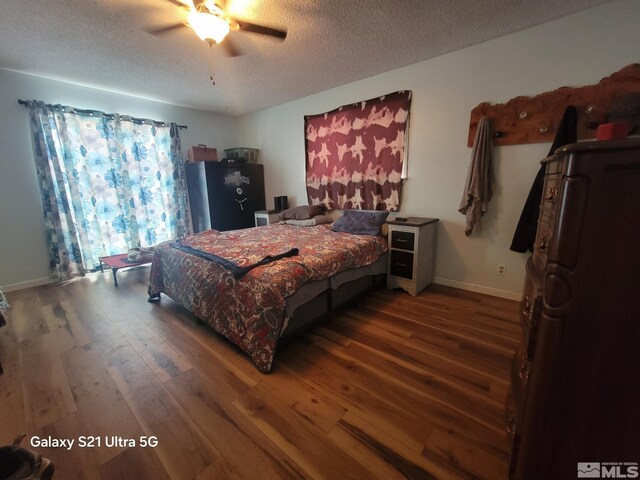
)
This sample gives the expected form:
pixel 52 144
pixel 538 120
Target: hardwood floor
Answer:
pixel 392 387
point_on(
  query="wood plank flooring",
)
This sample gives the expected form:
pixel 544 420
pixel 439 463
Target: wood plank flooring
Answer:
pixel 392 387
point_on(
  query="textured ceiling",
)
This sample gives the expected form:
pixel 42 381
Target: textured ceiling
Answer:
pixel 102 43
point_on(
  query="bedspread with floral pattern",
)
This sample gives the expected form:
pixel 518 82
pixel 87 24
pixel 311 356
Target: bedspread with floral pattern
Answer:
pixel 249 311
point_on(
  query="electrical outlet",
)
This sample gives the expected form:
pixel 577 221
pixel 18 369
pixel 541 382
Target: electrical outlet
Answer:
pixel 502 269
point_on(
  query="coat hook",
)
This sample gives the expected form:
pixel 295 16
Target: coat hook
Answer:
pixel 523 115
pixel 591 109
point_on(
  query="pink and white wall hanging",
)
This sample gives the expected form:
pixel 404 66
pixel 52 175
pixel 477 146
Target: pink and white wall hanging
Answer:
pixel 355 154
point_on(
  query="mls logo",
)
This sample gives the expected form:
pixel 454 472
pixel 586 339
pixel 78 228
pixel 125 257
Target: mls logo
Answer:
pixel 607 470
pixel 589 470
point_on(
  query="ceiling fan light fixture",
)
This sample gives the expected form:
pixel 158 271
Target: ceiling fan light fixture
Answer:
pixel 208 26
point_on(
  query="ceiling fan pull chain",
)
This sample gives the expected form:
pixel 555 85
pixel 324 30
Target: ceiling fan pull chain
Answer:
pixel 213 82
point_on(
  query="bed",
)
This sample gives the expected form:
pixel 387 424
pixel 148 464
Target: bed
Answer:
pixel 258 308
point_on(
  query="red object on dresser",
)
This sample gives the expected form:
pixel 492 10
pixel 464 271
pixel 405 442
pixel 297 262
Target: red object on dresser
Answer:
pixel 613 131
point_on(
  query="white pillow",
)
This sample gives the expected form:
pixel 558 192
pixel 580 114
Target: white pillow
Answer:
pixel 310 222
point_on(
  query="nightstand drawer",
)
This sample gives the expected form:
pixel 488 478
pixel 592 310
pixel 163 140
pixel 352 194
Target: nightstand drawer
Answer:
pixel 401 263
pixel 403 240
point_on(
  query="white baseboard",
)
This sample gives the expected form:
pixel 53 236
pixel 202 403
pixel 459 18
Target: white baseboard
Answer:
pixel 28 284
pixel 496 292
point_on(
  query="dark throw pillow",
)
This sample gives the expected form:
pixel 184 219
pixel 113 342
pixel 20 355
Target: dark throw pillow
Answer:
pixel 302 212
pixel 360 223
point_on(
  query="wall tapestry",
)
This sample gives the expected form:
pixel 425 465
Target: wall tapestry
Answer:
pixel 355 154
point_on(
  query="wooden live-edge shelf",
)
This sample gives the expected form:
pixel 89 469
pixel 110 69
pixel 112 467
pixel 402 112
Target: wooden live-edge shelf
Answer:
pixel 535 119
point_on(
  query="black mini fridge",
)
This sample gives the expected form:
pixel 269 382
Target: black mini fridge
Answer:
pixel 224 196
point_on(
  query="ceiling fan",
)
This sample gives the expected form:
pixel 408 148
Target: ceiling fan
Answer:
pixel 211 22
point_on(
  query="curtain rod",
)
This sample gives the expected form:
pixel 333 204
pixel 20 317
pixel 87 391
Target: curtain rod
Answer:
pixel 92 112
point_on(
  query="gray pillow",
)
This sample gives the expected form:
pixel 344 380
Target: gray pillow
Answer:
pixel 302 212
pixel 360 223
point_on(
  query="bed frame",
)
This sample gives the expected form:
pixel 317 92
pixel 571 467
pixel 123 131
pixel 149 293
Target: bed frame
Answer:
pixel 312 312
pixel 319 308
pixel 269 322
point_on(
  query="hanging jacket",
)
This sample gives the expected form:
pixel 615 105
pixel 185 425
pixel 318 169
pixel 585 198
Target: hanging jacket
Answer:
pixel 525 234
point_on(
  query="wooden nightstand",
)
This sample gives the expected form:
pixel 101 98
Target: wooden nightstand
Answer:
pixel 266 217
pixel 412 248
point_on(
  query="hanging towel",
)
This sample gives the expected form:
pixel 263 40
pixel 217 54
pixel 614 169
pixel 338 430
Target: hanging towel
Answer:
pixel 477 189
pixel 525 234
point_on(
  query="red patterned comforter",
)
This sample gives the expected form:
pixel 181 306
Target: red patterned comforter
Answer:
pixel 249 311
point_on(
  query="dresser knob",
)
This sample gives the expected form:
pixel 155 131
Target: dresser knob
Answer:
pixel 526 306
pixel 544 244
pixel 511 422
pixel 524 373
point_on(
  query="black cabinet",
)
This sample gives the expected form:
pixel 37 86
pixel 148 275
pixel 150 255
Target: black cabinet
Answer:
pixel 224 196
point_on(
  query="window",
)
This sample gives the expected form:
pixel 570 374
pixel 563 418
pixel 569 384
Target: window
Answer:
pixel 108 183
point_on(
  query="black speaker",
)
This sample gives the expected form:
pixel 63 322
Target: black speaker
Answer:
pixel 281 203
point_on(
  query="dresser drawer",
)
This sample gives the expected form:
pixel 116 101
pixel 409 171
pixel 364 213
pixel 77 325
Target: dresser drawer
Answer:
pixel 550 198
pixel 542 245
pixel 403 240
pixel 555 164
pixel 511 415
pixel 531 306
pixel 546 220
pixel 520 369
pixel 401 264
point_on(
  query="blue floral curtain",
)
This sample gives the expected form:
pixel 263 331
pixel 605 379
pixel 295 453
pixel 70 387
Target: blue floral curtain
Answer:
pixel 109 183
pixel 4 305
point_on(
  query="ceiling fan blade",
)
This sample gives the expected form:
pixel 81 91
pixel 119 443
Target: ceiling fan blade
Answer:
pixel 261 29
pixel 167 29
pixel 230 47
pixel 179 3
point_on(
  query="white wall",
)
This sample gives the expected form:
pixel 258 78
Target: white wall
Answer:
pixel 576 50
pixel 23 253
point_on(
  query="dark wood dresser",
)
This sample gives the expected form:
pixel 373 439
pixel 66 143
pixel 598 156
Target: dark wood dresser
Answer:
pixel 575 379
